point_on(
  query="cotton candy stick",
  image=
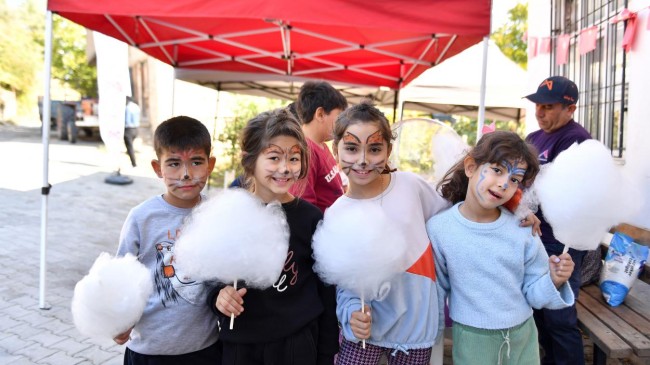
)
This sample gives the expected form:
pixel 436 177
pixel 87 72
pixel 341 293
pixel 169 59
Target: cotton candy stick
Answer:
pixel 363 310
pixel 232 315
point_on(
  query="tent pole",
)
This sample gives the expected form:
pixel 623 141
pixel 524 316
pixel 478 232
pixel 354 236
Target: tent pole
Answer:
pixel 481 108
pixel 45 128
pixel 216 120
pixel 174 92
pixel 395 104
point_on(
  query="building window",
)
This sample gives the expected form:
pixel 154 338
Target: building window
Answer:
pixel 599 74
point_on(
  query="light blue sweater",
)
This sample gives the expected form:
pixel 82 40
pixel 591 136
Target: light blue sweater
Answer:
pixel 493 273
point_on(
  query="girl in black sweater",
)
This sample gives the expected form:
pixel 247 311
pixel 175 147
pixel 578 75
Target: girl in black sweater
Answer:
pixel 294 321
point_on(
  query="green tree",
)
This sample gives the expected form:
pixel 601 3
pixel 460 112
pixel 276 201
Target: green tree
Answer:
pixel 69 63
pixel 21 29
pixel 466 126
pixel 246 108
pixel 509 37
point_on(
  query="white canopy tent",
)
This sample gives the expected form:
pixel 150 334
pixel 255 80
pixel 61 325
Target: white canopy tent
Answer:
pixel 454 86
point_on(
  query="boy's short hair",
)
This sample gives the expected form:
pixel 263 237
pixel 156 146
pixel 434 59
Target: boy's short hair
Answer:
pixel 183 133
pixel 315 94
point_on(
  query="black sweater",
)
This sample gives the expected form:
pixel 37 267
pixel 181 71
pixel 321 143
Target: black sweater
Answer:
pixel 296 299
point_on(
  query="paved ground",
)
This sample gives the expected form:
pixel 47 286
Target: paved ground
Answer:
pixel 84 218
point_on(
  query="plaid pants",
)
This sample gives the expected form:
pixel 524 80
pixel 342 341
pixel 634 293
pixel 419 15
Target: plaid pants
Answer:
pixel 352 353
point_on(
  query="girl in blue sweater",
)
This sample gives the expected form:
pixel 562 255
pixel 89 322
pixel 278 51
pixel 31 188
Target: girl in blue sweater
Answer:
pixel 491 269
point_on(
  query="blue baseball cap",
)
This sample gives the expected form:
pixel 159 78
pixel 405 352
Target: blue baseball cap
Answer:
pixel 555 89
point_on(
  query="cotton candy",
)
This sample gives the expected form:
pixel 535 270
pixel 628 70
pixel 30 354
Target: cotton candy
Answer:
pixel 360 249
pixel 446 148
pixel 583 194
pixel 234 236
pixel 111 298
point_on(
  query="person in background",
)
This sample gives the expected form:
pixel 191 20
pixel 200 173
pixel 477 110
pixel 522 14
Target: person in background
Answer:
pixel 131 124
pixel 555 102
pixel 318 106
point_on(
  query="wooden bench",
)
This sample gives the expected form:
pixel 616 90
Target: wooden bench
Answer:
pixel 621 332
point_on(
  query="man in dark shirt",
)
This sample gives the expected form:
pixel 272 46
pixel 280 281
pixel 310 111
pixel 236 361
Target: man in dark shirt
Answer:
pixel 555 102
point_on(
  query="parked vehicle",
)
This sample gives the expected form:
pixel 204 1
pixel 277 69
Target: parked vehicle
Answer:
pixel 68 116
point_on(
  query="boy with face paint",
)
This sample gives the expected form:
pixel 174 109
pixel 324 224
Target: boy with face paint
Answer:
pixel 493 270
pixel 176 326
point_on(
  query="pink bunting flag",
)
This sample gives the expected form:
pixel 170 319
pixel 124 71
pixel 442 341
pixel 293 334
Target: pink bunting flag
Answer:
pixel 630 28
pixel 532 47
pixel 562 51
pixel 588 39
pixel 545 45
pixel 489 128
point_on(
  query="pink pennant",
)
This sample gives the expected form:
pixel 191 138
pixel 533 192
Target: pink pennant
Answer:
pixel 545 45
pixel 587 40
pixel 562 51
pixel 532 47
pixel 623 15
pixel 489 128
pixel 630 32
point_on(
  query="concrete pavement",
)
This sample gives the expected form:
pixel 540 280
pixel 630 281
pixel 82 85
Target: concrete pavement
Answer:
pixel 85 216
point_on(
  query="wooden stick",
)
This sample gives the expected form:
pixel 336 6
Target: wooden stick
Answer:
pixel 363 310
pixel 232 315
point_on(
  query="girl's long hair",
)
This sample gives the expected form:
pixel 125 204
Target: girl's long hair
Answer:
pixel 494 147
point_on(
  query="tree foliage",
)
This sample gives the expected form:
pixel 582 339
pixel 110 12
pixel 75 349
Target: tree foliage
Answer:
pixel 20 32
pixel 69 63
pixel 510 36
pixel 246 108
pixel 467 127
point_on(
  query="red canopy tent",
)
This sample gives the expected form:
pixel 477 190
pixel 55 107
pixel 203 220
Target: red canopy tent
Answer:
pixel 380 43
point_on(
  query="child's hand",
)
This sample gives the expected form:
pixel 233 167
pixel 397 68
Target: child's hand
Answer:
pixel 123 337
pixel 561 268
pixel 360 323
pixel 532 220
pixel 230 301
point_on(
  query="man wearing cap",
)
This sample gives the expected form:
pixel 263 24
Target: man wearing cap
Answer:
pixel 555 102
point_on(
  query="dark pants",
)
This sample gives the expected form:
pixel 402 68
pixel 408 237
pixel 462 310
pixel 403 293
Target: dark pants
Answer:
pixel 210 355
pixel 558 330
pixel 296 349
pixel 129 136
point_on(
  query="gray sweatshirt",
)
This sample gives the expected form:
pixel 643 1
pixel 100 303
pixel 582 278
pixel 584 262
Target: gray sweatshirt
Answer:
pixel 176 319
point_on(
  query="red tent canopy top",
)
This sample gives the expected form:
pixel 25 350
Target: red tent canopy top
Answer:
pixel 374 43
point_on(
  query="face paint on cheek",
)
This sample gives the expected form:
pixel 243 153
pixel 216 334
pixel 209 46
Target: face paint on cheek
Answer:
pixel 481 177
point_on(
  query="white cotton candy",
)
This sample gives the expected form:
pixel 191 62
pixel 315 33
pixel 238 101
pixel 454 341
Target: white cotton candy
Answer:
pixel 111 298
pixel 234 236
pixel 446 148
pixel 360 249
pixel 583 194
